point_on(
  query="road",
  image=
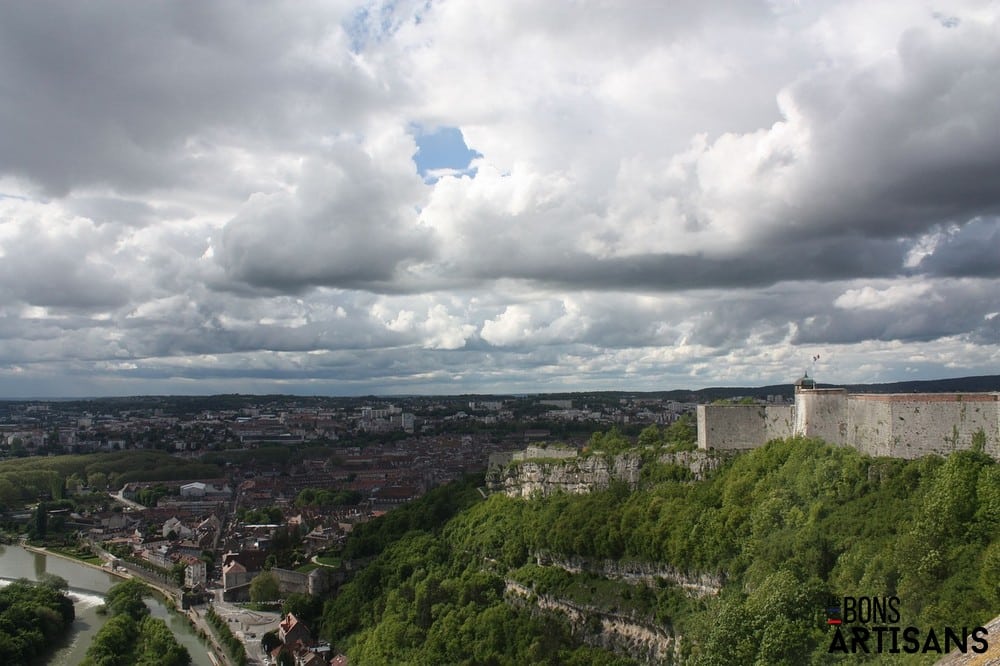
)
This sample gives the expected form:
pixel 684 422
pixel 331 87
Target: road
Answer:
pixel 245 622
pixel 200 623
pixel 117 496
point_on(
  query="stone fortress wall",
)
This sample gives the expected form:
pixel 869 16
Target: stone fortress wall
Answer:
pixel 743 426
pixel 905 425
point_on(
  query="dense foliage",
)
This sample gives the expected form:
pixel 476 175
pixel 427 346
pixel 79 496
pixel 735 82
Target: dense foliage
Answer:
pixel 27 479
pixel 131 637
pixel 421 600
pixel 264 587
pixel 33 616
pixel 785 528
pixel 323 498
pixel 426 515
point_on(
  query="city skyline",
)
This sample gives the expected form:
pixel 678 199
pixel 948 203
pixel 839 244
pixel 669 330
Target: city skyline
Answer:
pixel 399 198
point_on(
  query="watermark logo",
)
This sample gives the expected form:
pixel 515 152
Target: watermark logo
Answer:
pixel 871 625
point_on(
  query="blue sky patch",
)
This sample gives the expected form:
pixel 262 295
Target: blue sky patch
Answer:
pixel 442 149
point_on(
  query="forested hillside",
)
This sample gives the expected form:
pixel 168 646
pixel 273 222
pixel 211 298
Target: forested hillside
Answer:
pixel 782 530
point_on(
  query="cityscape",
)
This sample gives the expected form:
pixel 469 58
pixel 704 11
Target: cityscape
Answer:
pixel 569 333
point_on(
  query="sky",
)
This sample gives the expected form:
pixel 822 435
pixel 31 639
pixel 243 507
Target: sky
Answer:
pixel 352 198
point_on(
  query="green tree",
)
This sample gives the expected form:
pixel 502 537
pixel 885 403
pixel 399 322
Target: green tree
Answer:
pixel 264 587
pixel 126 598
pixel 41 520
pixel 682 434
pixel 269 641
pixel 650 437
pixel 307 608
pixel 97 481
pixel 131 637
pixel 177 573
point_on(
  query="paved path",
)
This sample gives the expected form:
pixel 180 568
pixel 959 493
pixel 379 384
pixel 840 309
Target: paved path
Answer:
pixel 244 622
pixel 117 496
pixel 200 623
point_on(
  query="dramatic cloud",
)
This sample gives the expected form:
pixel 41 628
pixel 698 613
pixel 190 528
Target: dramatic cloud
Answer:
pixel 356 197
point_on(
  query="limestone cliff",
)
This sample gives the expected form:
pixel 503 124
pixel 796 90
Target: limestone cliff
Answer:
pixel 637 637
pixel 636 572
pixel 543 477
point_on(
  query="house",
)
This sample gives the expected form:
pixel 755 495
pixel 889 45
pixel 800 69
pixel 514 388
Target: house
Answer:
pixel 238 569
pixel 292 630
pixel 179 529
pixel 194 489
pixel 195 573
pixel 235 575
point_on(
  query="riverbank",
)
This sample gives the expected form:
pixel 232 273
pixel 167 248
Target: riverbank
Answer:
pixel 192 617
pixel 62 556
pixel 88 586
pixel 218 654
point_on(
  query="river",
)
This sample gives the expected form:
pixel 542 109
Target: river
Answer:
pixel 88 586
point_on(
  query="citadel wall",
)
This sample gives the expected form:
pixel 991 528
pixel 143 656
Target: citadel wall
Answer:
pixel 780 421
pixel 914 425
pixel 537 451
pixel 897 425
pixel 870 427
pixel 738 427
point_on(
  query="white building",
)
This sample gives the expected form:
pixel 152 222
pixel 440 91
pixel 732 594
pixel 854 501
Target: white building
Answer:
pixel 195 574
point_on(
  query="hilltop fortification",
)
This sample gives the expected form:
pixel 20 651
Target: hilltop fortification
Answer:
pixel 900 425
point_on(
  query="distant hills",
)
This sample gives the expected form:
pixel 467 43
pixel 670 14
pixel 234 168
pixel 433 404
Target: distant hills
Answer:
pixel 980 384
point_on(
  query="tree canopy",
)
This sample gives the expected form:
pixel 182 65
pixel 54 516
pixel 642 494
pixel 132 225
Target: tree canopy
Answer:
pixel 131 636
pixel 782 529
pixel 33 616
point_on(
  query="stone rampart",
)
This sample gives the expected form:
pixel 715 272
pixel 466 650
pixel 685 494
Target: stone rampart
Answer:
pixel 579 475
pixel 738 427
pixel 914 425
pixel 899 425
pixel 574 476
pixel 545 452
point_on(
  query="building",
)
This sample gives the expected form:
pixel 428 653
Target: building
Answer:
pixel 899 425
pixel 195 574
pixel 292 630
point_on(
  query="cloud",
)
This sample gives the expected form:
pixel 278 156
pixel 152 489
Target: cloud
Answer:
pixel 195 197
pixel 53 260
pixel 142 97
pixel 346 221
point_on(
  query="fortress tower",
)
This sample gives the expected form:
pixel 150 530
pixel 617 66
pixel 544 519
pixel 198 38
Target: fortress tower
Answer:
pixel 820 412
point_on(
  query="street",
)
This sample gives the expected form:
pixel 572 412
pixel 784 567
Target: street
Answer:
pixel 248 625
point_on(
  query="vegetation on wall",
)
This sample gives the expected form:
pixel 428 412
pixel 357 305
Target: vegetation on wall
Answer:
pixel 234 647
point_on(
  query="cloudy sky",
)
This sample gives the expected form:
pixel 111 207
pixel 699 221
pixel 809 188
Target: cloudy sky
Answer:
pixel 441 197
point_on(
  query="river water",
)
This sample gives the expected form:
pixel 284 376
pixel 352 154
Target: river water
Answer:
pixel 87 586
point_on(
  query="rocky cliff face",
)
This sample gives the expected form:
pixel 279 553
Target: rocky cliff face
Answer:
pixel 638 638
pixel 532 478
pixel 635 572
pixel 540 477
